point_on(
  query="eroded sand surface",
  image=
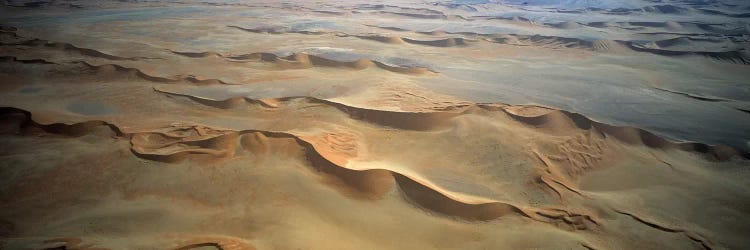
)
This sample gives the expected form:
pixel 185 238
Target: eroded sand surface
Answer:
pixel 555 124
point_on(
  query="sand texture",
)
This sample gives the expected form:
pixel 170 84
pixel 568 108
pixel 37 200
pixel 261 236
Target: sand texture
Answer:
pixel 237 125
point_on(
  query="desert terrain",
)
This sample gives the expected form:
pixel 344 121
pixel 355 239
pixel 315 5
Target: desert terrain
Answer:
pixel 396 124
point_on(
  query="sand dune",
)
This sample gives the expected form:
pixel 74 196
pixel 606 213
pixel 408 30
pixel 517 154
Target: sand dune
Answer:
pixel 304 60
pixel 661 47
pixel 554 120
pixel 68 48
pixel 537 124
pixel 178 143
pixel 447 42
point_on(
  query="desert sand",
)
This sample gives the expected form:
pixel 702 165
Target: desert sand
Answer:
pixel 537 124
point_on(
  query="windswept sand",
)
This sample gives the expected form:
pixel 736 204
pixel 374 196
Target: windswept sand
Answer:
pixel 349 125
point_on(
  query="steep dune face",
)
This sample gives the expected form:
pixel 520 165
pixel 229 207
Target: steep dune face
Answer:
pixel 197 125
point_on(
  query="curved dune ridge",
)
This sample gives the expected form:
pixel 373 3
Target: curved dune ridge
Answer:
pixel 567 25
pixel 634 25
pixel 669 27
pixel 19 121
pixel 735 56
pixel 108 69
pixel 383 39
pixel 305 60
pixel 739 56
pixel 514 19
pixel 419 121
pixel 177 143
pixel 555 120
pixel 666 8
pixel 70 48
pixel 374 115
pixel 445 42
pixel 180 142
pixel 696 29
pixel 679 41
pixel 276 30
pixel 421 13
pixel 560 119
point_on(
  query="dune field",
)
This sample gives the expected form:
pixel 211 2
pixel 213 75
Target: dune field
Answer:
pixel 395 124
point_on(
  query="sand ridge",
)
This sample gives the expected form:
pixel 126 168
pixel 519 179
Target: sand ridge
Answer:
pixel 371 126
